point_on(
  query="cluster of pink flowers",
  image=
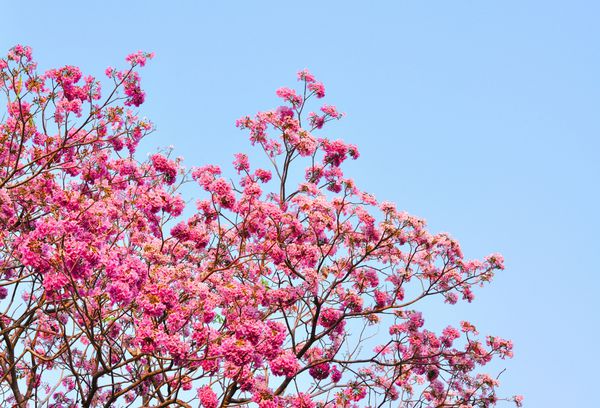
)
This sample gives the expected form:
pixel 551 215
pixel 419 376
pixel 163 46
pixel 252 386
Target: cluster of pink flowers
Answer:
pixel 329 317
pixel 139 58
pixel 207 397
pixel 165 166
pixel 286 364
pixel 311 83
pixel 289 95
pixel 135 95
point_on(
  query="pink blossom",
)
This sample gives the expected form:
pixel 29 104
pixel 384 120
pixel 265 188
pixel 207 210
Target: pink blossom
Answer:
pixel 263 175
pixel 139 58
pixel 316 121
pixel 319 371
pixel 329 317
pixel 207 397
pixel 165 166
pixel 285 364
pixel 336 374
pixel 330 110
pixel 241 163
pixel 518 399
pixel 318 88
pixel 290 96
pixel 285 112
pixel 305 75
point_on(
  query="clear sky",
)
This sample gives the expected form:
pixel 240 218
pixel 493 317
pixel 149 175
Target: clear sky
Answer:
pixel 480 116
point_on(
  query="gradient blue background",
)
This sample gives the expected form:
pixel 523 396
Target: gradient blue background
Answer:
pixel 480 116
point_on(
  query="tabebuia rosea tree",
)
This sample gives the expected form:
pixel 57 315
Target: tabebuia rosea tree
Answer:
pixel 286 287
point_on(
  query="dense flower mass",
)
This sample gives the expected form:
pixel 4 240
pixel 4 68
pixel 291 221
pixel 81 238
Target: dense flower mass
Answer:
pixel 287 286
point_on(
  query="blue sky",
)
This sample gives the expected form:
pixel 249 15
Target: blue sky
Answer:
pixel 480 116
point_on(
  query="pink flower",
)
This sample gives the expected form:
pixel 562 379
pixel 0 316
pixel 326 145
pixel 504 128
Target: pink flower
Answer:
pixel 353 152
pixel 205 175
pixel 207 397
pixel 263 175
pixel 336 375
pixel 241 162
pixel 331 111
pixel 20 51
pixel 518 399
pixel 139 58
pixel 467 327
pixel 496 260
pixel 302 400
pixel 381 298
pixel 316 121
pixel 285 112
pixel 223 192
pixel 318 88
pixel 449 335
pixel 186 383
pixel 289 95
pixel 329 317
pixel 319 371
pixel 305 75
pixel 285 364
pixel 165 166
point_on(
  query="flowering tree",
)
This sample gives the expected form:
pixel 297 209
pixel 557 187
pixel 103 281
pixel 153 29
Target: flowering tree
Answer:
pixel 276 292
